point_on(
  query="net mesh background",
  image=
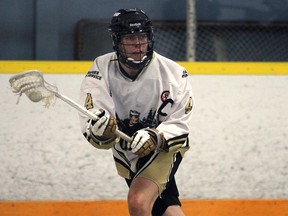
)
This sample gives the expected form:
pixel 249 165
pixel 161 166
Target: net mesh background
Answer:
pixel 233 41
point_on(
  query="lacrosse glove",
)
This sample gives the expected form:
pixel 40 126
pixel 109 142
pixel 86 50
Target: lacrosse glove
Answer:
pixel 102 130
pixel 146 140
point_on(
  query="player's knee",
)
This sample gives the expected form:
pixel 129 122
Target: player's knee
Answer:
pixel 138 205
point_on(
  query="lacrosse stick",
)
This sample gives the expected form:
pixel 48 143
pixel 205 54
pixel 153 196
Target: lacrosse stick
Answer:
pixel 32 83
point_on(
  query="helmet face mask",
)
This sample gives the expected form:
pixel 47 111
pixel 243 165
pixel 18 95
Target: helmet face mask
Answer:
pixel 134 47
pixel 132 23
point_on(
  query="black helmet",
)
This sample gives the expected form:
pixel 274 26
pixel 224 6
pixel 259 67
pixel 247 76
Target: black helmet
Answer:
pixel 130 21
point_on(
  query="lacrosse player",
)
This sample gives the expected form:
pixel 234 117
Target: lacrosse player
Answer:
pixel 148 97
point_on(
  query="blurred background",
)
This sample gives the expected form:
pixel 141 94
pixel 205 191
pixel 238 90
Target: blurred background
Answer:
pixel 225 30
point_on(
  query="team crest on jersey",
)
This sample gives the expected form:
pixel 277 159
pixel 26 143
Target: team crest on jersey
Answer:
pixel 94 74
pixel 135 122
pixel 165 95
pixel 184 74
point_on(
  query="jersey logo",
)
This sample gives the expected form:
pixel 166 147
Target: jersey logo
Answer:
pixel 184 74
pixel 94 74
pixel 165 95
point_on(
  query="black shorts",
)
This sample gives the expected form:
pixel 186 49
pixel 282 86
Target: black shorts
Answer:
pixel 169 197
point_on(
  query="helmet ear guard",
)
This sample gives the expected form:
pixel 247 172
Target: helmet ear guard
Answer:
pixel 130 21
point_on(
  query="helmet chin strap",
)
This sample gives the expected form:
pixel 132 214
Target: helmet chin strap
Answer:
pixel 137 61
pixel 131 62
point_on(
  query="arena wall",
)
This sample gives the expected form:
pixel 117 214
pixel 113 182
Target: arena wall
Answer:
pixel 238 145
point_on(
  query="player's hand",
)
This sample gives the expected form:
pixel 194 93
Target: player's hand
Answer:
pixel 105 126
pixel 145 141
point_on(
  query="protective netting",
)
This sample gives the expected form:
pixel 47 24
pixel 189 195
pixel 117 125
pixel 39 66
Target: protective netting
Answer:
pixel 170 39
pixel 92 39
pixel 242 42
pixel 232 41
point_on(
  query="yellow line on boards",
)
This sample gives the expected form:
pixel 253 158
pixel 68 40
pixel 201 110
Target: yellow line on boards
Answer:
pixel 193 68
pixel 236 68
pixel 48 67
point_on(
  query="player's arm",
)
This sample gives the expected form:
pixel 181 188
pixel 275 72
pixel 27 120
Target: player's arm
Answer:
pixel 94 95
pixel 176 127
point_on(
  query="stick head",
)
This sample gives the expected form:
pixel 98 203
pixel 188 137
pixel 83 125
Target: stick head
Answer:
pixel 34 86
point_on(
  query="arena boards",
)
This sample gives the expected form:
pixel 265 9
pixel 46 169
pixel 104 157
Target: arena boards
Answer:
pixel 193 68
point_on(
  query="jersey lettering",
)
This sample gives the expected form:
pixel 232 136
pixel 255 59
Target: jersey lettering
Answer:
pixel 163 105
pixel 94 74
pixel 189 105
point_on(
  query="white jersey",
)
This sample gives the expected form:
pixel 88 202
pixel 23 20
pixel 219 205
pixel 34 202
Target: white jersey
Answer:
pixel 160 97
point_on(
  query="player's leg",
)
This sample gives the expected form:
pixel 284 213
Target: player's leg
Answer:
pixel 161 170
pixel 141 197
pixel 168 203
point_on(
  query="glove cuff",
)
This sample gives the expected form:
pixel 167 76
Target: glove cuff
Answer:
pixel 158 139
pixel 103 143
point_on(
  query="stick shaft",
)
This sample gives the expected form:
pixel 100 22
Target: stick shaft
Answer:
pixel 89 114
